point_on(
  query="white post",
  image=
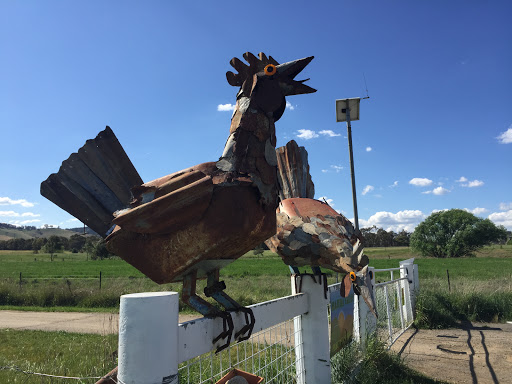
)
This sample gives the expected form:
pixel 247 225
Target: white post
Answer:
pixel 358 330
pixel 313 354
pixel 148 338
pixel 407 270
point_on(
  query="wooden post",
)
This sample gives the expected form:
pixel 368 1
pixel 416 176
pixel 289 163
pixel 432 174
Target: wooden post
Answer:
pixel 449 287
pixel 100 280
pixel 148 338
pixel 20 280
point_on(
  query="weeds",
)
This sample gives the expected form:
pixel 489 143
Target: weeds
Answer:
pixel 373 365
pixel 437 310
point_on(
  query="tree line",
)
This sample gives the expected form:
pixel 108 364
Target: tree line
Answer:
pixel 378 237
pixel 93 246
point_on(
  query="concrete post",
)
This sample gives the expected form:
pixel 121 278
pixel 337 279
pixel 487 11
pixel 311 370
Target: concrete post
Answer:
pixel 148 338
pixel 313 354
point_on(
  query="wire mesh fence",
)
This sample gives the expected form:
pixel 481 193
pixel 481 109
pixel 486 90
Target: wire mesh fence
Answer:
pixel 394 309
pixel 269 354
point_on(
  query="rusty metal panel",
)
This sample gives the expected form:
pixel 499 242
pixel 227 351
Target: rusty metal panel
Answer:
pixel 94 183
pixel 234 223
pixel 311 233
pixel 293 172
pixel 169 212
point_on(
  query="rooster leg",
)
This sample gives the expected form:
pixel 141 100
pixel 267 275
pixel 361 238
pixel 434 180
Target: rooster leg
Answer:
pixel 215 289
pixel 189 297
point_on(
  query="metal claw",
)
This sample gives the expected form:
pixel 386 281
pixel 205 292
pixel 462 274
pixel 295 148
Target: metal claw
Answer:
pixel 248 327
pixel 228 328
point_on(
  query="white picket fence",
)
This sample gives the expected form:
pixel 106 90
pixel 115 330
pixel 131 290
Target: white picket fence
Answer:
pixel 290 341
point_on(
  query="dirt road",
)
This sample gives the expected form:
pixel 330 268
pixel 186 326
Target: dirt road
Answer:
pixel 100 323
pixel 475 353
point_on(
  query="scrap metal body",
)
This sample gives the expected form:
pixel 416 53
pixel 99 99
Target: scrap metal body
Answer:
pixel 309 232
pixel 206 216
pixel 197 220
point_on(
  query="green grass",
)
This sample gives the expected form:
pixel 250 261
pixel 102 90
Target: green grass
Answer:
pixel 72 281
pixel 79 355
pixel 480 291
pixel 56 353
pixel 440 309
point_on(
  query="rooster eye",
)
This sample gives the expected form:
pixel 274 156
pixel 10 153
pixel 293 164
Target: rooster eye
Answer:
pixel 270 70
pixel 352 276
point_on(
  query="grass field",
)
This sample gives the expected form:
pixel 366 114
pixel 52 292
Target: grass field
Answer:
pixel 72 282
pixel 66 354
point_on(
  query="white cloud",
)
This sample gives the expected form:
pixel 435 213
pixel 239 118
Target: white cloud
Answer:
pixel 464 182
pixel 24 222
pixel 420 182
pixel 502 218
pixel 368 149
pixel 440 191
pixel 475 183
pixel 476 211
pixel 307 134
pixel 437 191
pixel 289 105
pixel 439 210
pixel 9 214
pixel 30 214
pixel 9 201
pixel 225 107
pixel 367 189
pixel 395 184
pixel 328 132
pixel 16 214
pixel 333 168
pixel 505 206
pixel 407 219
pixel 329 201
pixel 506 137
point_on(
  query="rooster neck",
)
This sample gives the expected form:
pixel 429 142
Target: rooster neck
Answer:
pixel 250 149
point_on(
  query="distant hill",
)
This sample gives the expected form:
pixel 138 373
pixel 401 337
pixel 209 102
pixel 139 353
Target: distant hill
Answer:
pixel 8 231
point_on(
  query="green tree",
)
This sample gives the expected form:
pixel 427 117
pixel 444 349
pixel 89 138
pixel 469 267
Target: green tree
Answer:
pixel 76 243
pixel 100 250
pixel 454 233
pixel 52 246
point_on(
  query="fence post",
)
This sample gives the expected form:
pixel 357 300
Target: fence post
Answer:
pixel 312 355
pixel 407 270
pixel 148 338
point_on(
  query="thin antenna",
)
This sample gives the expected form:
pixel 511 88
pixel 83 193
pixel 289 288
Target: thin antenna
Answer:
pixel 366 87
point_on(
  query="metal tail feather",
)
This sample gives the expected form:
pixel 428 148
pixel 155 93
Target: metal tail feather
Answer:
pixel 94 183
pixel 293 172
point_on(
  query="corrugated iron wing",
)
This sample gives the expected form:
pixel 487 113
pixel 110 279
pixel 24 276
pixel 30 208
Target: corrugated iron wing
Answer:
pixel 94 182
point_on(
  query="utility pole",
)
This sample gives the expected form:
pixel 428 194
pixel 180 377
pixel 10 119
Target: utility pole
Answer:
pixel 348 110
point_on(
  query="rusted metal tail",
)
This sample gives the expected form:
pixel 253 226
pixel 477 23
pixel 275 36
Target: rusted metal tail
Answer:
pixel 94 182
pixel 293 172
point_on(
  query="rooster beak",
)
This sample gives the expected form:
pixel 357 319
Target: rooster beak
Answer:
pixel 286 74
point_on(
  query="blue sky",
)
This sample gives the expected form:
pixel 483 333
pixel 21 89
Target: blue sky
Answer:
pixel 435 134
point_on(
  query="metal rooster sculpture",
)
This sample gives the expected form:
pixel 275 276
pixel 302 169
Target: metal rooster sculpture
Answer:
pixel 191 223
pixel 311 233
